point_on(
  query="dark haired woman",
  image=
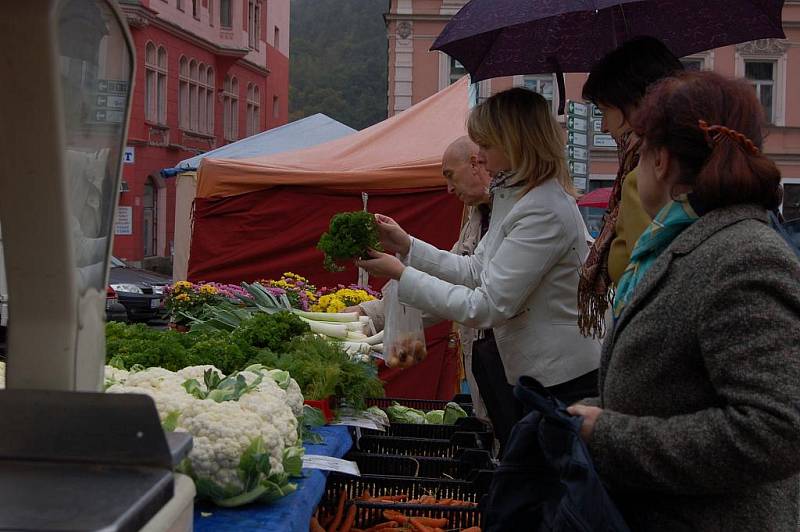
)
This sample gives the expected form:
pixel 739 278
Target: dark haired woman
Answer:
pixel 617 84
pixel 699 419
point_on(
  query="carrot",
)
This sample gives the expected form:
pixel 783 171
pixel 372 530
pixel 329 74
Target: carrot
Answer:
pixel 472 529
pixel 396 498
pixel 382 526
pixel 419 527
pixel 366 494
pixel 393 515
pixel 326 520
pixel 339 512
pixel 315 526
pixel 431 522
pixel 348 521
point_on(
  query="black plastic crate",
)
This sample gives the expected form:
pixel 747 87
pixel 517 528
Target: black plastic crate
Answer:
pixel 425 405
pixel 446 448
pixel 371 513
pixel 481 429
pixel 462 467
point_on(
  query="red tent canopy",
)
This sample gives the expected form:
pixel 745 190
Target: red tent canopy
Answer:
pixel 258 218
pixel 598 198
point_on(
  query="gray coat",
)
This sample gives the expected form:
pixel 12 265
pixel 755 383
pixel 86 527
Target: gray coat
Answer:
pixel 700 382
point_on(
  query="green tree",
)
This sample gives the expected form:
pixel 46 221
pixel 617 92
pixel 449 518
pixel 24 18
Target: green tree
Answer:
pixel 338 60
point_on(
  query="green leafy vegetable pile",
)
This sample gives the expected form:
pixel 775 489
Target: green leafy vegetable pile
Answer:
pixel 323 369
pixel 349 236
pixel 130 345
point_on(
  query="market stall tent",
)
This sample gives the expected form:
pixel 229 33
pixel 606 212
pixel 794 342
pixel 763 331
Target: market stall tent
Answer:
pixel 259 217
pixel 302 133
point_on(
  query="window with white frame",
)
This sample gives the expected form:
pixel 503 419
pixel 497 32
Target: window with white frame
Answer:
pixel 791 200
pixel 763 63
pixel 196 9
pixel 276 37
pixel 457 70
pixel 544 84
pixel 225 13
pixel 230 108
pixel 692 63
pixel 253 109
pixel 761 75
pixel 155 86
pixel 196 97
pixel 276 107
pixel 253 23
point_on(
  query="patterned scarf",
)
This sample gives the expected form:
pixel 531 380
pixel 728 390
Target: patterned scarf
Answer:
pixel 670 221
pixel 594 285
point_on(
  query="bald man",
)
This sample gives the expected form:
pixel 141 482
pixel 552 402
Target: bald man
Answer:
pixel 469 181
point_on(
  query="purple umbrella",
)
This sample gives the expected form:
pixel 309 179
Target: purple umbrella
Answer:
pixel 493 38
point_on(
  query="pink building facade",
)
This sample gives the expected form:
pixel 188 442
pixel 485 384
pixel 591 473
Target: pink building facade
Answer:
pixel 771 65
pixel 209 72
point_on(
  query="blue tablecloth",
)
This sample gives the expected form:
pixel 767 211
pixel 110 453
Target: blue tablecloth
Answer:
pixel 291 513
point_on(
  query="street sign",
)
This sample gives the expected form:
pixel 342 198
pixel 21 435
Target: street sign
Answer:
pixel 577 109
pixel 108 117
pixel 577 124
pixel 577 139
pixel 111 86
pixel 578 168
pixel 108 101
pixel 603 141
pixel 596 112
pixel 580 183
pixel 129 155
pixel 577 153
pixel 597 125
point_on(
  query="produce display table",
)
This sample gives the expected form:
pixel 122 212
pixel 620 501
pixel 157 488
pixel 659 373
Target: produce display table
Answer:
pixel 291 513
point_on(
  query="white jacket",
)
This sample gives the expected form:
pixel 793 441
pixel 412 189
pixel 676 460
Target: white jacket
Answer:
pixel 522 282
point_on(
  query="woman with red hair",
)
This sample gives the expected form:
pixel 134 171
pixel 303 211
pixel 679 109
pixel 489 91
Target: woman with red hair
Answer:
pixel 698 421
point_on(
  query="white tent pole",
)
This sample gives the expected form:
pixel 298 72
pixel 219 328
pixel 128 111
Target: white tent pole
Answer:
pixel 363 276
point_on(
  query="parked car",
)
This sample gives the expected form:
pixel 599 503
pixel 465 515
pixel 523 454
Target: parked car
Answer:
pixel 115 311
pixel 141 292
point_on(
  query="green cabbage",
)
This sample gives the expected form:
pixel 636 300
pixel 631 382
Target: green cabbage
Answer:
pixel 452 412
pixel 402 414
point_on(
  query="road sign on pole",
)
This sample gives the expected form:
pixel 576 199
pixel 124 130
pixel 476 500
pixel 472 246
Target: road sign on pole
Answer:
pixel 578 156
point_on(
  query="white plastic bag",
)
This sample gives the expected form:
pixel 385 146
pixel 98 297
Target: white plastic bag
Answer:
pixel 404 334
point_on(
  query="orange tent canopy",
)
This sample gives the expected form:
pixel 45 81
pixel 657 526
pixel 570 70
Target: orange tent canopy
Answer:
pixel 404 151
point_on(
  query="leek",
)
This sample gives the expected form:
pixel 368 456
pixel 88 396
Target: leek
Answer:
pixel 334 330
pixel 339 317
pixel 375 338
pixel 359 337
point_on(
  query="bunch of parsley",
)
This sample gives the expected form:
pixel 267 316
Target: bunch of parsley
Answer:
pixel 349 236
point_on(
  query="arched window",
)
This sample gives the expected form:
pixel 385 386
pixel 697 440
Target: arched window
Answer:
pixel 202 115
pixel 253 109
pixel 210 100
pixel 150 221
pixel 230 99
pixel 183 97
pixel 161 84
pixel 193 96
pixel 150 83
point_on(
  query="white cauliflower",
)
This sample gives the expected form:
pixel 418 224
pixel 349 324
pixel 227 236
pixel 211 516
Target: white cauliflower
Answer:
pixel 115 376
pixel 156 378
pixel 221 433
pixel 269 401
pixel 168 401
pixel 294 396
pixel 198 372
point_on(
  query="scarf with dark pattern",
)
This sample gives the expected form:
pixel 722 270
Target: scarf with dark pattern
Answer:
pixel 594 286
